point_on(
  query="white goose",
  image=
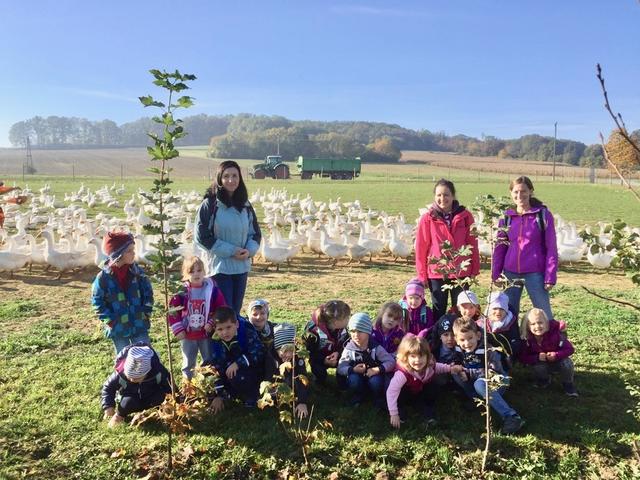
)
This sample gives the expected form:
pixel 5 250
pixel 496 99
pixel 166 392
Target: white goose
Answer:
pixel 12 260
pixel 62 261
pixel 397 247
pixel 276 255
pixel 333 250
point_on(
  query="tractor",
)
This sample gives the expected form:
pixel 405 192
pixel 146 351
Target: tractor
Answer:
pixel 272 167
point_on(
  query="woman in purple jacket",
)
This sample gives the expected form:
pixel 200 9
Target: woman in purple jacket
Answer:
pixel 527 249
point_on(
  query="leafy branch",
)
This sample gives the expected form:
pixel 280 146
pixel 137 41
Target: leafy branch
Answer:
pixel 160 197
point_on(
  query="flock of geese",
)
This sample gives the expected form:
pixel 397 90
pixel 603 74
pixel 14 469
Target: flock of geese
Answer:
pixel 67 234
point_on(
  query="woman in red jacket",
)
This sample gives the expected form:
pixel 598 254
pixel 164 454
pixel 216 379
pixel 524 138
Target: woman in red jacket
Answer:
pixel 445 220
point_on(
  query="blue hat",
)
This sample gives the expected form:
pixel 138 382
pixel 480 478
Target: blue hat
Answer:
pixel 259 302
pixel 361 322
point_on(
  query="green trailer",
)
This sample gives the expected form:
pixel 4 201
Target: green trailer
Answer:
pixel 335 168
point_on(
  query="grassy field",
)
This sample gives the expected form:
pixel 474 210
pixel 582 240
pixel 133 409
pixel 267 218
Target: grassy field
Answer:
pixel 54 361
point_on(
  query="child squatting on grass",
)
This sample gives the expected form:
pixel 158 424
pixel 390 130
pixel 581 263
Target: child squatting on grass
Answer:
pixel 472 380
pixel 364 363
pixel 192 325
pixel 236 354
pixel 141 380
pixel 121 294
pixel 284 336
pixel 546 349
pixel 325 336
pixel 412 381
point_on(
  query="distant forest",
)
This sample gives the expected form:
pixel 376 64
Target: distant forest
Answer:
pixel 254 136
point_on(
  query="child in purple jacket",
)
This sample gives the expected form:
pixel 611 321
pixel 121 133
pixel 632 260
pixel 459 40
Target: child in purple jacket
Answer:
pixel 389 327
pixel 547 350
pixel 418 315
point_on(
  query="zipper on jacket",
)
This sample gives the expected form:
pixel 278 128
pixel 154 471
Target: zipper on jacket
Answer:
pixel 519 237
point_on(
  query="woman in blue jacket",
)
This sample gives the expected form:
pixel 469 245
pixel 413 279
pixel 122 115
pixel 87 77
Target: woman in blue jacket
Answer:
pixel 227 228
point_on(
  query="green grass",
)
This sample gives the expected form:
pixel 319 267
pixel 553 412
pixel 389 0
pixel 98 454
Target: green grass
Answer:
pixel 580 203
pixel 54 361
pixel 50 424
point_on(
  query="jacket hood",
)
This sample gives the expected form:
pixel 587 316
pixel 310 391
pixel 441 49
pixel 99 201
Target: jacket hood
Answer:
pixel 512 211
pixel 436 212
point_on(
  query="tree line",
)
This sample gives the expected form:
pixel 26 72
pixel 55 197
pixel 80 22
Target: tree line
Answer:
pixel 254 136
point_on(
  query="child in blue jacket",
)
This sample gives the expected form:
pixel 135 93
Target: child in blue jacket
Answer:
pixel 121 293
pixel 237 356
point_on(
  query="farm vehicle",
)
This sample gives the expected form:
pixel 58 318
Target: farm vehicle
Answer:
pixel 335 168
pixel 272 167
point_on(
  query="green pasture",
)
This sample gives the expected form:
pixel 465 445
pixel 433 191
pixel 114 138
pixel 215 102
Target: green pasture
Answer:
pixel 54 361
pixel 403 189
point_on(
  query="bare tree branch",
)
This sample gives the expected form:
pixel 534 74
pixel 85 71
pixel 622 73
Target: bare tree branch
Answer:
pixel 611 299
pixel 617 118
pixel 613 165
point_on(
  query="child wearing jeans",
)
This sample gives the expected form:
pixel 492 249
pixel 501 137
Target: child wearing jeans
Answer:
pixel 141 380
pixel 121 294
pixel 364 363
pixel 236 354
pixel 193 323
pixel 472 380
pixel 546 349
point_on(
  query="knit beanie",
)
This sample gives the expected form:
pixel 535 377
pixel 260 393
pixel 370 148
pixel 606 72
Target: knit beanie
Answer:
pixel 259 302
pixel 445 324
pixel 138 363
pixel 361 322
pixel 283 334
pixel 498 300
pixel 467 296
pixel 414 287
pixel 114 244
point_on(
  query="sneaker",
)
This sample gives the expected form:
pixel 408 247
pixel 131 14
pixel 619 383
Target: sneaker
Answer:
pixel 570 389
pixel 512 424
pixel 543 383
pixel 430 417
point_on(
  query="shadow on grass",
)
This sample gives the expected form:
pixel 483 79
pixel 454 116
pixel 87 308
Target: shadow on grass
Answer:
pixel 594 422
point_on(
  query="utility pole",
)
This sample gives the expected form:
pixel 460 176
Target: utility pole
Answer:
pixel 29 156
pixel 555 136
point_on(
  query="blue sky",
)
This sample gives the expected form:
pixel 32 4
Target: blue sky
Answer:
pixel 505 68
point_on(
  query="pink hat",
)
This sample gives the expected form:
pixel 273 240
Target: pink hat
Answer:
pixel 414 287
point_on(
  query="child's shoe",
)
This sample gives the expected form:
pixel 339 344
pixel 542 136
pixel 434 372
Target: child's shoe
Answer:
pixel 512 424
pixel 570 389
pixel 543 383
pixel 430 416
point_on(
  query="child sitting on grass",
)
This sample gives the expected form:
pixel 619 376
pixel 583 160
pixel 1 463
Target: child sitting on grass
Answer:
pixel 472 379
pixel 121 293
pixel 546 349
pixel 324 337
pixel 419 317
pixel 443 347
pixel 364 363
pixel 389 327
pixel 503 331
pixel 412 382
pixel 284 336
pixel 236 354
pixel 258 315
pixel 143 382
pixel 192 325
pixel 468 306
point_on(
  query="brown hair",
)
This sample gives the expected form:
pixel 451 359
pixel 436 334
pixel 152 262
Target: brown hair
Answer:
pixel 463 326
pixel 224 314
pixel 524 323
pixel 396 311
pixel 240 196
pixel 526 181
pixel 188 264
pixel 445 183
pixel 413 345
pixel 332 310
